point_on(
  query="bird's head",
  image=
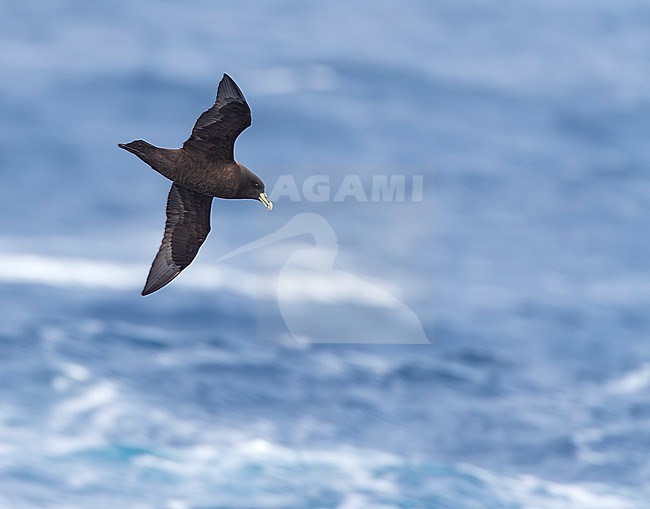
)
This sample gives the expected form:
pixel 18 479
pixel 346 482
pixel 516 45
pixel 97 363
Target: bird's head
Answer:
pixel 252 187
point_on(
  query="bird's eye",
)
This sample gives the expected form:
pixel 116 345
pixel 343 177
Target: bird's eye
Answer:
pixel 256 184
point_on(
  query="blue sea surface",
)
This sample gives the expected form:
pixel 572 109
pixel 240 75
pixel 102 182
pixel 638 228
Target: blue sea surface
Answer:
pixel 526 263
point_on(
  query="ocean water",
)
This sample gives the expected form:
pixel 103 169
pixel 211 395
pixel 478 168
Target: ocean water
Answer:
pixel 254 381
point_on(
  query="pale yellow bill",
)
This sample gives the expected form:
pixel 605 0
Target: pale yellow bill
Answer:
pixel 265 200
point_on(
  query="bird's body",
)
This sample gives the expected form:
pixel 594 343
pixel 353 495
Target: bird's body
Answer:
pixel 216 178
pixel 204 168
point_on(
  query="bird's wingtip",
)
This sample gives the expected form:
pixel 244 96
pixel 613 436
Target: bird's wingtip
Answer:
pixel 152 286
pixel 228 89
pixel 147 290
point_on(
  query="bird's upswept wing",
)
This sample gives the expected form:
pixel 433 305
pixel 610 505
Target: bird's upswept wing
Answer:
pixel 187 226
pixel 216 129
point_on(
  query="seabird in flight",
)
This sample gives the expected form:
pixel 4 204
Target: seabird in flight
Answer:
pixel 204 168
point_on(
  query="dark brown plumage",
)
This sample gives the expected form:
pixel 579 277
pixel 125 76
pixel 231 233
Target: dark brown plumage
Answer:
pixel 202 169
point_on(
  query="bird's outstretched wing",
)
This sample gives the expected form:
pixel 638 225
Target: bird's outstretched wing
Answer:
pixel 187 226
pixel 216 129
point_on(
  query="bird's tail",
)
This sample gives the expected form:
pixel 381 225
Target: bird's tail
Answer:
pixel 138 147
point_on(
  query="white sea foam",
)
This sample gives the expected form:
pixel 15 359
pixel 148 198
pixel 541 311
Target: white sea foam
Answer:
pixel 369 478
pixel 634 381
pixel 95 407
pixel 216 467
pixel 287 80
pixel 298 285
pixel 66 272
pixel 534 492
